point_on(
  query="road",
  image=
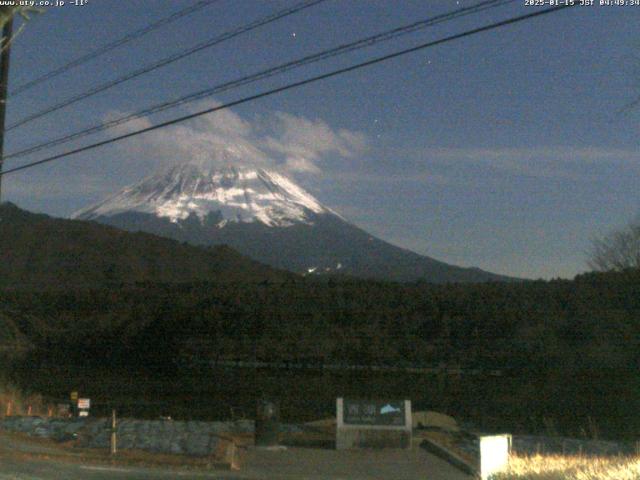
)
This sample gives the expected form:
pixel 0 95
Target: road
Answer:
pixel 22 460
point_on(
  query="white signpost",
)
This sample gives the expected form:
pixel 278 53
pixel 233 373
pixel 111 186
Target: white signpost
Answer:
pixel 84 404
pixel 494 454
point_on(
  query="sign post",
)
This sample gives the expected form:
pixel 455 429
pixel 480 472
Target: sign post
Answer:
pixel 73 396
pixel 494 454
pixel 84 404
pixel 114 430
pixel 373 424
pixel 267 430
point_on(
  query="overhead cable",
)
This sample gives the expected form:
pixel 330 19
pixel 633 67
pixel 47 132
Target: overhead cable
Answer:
pixel 263 74
pixel 167 61
pixel 290 86
pixel 112 46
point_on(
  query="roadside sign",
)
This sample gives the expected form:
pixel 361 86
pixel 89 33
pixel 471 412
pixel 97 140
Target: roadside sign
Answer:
pixel 74 396
pixel 373 423
pixel 374 412
pixel 494 454
pixel 84 403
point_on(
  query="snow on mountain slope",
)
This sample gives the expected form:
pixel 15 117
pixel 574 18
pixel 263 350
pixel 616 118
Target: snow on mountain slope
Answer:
pixel 266 216
pixel 240 193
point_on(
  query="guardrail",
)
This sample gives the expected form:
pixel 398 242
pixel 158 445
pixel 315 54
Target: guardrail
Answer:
pixel 297 365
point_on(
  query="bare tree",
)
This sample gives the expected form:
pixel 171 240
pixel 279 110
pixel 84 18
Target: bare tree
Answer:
pixel 619 250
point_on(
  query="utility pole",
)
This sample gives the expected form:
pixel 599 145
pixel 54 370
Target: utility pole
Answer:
pixel 7 32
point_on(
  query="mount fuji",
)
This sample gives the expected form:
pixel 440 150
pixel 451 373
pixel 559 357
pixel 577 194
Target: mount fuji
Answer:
pixel 266 216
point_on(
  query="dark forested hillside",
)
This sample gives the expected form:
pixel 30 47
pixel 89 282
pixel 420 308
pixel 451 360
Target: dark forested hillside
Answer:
pixel 567 350
pixel 39 250
pixel 83 297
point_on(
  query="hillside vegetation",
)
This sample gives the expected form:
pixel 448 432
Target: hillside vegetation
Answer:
pixel 38 250
pixel 568 351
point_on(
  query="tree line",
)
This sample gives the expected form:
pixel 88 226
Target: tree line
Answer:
pixel 568 347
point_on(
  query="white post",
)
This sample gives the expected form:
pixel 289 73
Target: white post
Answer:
pixel 114 447
pixel 494 454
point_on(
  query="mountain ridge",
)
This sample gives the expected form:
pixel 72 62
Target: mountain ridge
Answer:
pixel 242 194
pixel 266 216
pixel 39 250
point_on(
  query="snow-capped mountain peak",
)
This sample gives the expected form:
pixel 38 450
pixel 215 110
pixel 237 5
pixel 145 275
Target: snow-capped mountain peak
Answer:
pixel 262 214
pixel 240 193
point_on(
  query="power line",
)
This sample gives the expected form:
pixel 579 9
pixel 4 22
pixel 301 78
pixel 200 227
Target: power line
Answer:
pixel 170 59
pixel 290 86
pixel 323 55
pixel 113 45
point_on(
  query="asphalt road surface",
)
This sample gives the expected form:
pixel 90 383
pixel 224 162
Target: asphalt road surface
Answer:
pixel 48 470
pixel 17 463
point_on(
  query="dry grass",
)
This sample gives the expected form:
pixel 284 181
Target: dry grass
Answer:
pixel 15 402
pixel 564 467
pixel 31 448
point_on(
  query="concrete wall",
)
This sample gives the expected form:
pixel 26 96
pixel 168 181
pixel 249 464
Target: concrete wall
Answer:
pixel 371 438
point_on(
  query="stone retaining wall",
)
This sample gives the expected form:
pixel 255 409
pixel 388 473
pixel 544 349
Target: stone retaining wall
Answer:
pixel 159 436
pixel 201 438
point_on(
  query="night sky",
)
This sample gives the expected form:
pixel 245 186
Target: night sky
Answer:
pixel 508 150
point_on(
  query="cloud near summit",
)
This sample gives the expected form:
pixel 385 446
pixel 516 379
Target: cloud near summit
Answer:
pixel 281 140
